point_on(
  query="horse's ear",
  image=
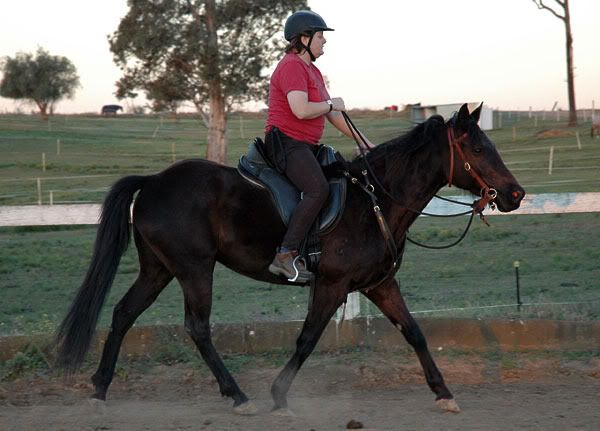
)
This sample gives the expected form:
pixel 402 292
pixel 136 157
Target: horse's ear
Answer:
pixel 476 113
pixel 462 117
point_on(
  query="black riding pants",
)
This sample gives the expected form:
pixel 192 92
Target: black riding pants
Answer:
pixel 306 174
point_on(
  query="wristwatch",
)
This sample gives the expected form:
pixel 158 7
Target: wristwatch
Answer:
pixel 330 103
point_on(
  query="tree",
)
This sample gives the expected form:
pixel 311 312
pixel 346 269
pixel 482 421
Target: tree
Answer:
pixel 164 93
pixel 44 79
pixel 566 19
pixel 212 53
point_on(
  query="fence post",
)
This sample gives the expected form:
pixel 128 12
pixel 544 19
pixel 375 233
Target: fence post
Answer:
pixel 351 309
pixel 578 140
pixel 516 264
pixel 58 147
pixel 514 133
pixel 43 162
pixel 551 160
pixel 173 155
pixel 39 191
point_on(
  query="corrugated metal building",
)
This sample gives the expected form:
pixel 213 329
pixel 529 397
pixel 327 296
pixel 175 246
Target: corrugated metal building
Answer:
pixel 419 113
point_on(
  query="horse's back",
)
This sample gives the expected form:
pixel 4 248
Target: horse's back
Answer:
pixel 207 208
pixel 190 186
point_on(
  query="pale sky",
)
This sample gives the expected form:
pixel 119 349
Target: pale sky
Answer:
pixel 506 53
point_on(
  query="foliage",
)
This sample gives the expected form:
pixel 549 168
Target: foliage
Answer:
pixel 44 79
pixel 212 54
pixel 29 359
pixel 165 92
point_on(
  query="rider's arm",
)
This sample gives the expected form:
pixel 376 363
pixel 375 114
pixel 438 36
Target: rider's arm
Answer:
pixel 337 119
pixel 303 109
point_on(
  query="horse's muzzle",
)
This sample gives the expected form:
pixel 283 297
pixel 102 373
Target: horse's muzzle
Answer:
pixel 510 198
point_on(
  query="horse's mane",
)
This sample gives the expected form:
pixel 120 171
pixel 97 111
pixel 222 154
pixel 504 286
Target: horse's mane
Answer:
pixel 397 156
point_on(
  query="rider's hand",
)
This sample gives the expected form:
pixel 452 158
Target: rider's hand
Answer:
pixel 338 104
pixel 365 149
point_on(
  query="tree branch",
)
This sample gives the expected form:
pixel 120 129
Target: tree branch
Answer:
pixel 203 114
pixel 540 4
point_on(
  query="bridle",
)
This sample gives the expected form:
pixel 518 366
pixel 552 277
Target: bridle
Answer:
pixel 488 194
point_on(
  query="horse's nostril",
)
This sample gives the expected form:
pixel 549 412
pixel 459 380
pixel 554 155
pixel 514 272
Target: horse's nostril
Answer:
pixel 517 195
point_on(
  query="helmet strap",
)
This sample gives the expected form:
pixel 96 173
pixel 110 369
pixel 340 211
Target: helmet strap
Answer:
pixel 307 48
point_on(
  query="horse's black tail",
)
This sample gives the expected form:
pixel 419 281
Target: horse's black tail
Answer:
pixel 77 329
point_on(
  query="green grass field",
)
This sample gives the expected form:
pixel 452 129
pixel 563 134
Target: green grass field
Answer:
pixel 40 268
pixel 96 151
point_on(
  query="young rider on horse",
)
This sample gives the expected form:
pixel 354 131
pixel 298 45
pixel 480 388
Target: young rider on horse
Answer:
pixel 298 106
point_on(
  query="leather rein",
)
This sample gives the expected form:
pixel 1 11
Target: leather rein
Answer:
pixel 488 194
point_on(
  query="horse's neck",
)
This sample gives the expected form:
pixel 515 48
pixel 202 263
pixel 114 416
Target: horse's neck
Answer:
pixel 415 188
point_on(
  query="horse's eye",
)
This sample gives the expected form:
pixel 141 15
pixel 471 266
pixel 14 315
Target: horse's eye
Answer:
pixel 477 149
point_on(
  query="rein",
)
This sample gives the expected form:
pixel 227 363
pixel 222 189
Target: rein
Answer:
pixel 488 194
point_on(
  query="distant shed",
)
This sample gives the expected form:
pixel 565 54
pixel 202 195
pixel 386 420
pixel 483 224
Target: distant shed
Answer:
pixel 419 113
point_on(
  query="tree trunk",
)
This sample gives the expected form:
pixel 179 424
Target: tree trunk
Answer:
pixel 43 107
pixel 216 149
pixel 217 121
pixel 570 74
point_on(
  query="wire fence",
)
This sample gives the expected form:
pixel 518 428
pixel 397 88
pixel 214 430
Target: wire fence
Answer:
pixel 85 154
pixel 81 161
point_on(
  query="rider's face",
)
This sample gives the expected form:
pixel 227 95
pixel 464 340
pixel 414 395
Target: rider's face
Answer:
pixel 316 46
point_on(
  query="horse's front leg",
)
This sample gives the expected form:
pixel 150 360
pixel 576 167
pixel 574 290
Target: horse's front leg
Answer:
pixel 326 300
pixel 389 300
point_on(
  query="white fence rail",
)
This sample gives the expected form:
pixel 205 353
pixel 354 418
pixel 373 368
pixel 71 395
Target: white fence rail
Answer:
pixel 47 215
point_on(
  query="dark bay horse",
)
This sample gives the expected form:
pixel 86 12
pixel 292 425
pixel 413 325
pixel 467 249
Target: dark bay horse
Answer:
pixel 196 213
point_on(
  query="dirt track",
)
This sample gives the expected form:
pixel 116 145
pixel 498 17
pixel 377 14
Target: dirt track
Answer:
pixel 381 391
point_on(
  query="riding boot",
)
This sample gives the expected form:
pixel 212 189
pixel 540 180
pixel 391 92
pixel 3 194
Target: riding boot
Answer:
pixel 289 264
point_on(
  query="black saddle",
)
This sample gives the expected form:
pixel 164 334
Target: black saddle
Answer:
pixel 255 168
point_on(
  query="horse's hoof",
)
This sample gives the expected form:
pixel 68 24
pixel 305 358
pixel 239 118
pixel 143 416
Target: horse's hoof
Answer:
pixel 448 405
pixel 283 412
pixel 98 406
pixel 245 409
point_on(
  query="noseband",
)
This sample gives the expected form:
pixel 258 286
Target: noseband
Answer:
pixel 488 194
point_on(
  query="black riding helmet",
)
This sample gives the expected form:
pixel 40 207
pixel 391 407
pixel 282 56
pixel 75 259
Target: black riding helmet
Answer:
pixel 304 22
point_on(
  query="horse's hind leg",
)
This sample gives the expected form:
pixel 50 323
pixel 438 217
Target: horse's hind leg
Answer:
pixel 389 300
pixel 152 279
pixel 326 299
pixel 197 291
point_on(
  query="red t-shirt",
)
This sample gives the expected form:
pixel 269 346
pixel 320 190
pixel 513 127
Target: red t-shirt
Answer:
pixel 294 74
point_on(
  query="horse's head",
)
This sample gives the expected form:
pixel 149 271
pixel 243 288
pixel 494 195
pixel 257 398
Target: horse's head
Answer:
pixel 476 165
